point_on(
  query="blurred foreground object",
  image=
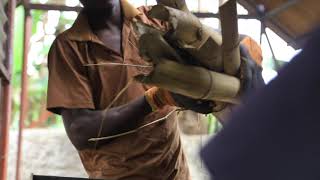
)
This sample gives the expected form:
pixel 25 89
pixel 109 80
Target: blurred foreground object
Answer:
pixel 275 135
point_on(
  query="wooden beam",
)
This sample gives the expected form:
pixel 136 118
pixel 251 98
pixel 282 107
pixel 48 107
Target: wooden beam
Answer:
pixel 24 89
pixel 216 15
pixel 6 102
pixel 280 9
pixel 47 7
pixel 270 22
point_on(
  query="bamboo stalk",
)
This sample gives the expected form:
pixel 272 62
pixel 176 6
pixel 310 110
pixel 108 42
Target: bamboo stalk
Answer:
pixel 192 81
pixel 186 26
pixel 141 28
pixel 188 33
pixel 230 36
pixel 202 43
pixel 154 47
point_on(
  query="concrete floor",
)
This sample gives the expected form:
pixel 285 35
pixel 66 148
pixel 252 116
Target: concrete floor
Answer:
pixel 49 152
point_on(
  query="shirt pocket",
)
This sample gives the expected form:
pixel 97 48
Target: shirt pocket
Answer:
pixel 162 131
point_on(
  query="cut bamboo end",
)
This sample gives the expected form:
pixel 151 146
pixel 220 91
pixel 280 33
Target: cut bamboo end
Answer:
pixel 142 28
pixel 201 42
pixel 154 47
pixel 187 28
pixel 159 12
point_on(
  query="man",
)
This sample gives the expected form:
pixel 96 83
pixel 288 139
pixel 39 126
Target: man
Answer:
pixel 103 33
pixel 81 94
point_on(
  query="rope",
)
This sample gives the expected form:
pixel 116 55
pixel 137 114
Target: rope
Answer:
pixel 109 106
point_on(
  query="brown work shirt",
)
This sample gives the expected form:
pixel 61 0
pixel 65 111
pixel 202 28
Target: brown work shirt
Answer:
pixel 154 152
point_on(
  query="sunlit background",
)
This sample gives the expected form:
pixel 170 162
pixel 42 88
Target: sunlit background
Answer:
pixel 45 27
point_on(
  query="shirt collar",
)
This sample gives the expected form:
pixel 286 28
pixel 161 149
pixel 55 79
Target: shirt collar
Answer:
pixel 81 31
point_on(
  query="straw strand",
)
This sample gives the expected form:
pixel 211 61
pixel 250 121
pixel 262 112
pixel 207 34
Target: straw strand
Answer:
pixel 109 106
pixel 132 131
pixel 119 64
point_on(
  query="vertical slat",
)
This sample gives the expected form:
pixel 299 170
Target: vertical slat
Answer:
pixel 230 36
pixel 3 120
pixel 24 88
pixel 6 87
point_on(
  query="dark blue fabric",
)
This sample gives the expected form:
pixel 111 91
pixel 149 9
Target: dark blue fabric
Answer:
pixel 276 134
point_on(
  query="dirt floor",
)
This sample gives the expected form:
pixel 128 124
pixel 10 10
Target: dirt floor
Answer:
pixel 49 152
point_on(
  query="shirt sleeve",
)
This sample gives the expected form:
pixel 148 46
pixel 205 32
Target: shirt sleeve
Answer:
pixel 69 85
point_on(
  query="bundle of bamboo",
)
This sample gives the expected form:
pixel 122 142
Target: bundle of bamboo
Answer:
pixel 191 59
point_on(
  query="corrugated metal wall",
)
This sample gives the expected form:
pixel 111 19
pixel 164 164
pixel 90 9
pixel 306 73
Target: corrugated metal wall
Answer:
pixel 3 37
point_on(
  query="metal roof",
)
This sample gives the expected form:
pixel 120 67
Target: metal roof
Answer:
pixel 292 20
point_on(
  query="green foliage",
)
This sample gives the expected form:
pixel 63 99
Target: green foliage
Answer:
pixel 18 40
pixel 17 65
pixel 37 67
pixel 213 124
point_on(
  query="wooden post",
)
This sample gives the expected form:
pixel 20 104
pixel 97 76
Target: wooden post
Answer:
pixel 6 108
pixel 24 88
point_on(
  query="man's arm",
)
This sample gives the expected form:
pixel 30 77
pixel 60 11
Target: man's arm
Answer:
pixel 70 94
pixel 83 124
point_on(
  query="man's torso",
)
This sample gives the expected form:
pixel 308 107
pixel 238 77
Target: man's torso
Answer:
pixel 154 152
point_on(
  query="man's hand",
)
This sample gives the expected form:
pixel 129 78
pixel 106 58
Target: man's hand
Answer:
pixel 250 73
pixel 199 106
pixel 158 98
